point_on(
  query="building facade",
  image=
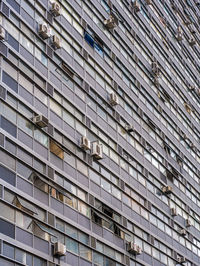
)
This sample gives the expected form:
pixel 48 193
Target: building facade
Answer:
pixel 99 133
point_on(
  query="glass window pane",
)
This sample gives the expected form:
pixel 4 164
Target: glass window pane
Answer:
pixel 20 255
pixel 8 251
pixel 6 212
pixel 72 245
pixel 41 137
pixel 25 125
pixel 85 252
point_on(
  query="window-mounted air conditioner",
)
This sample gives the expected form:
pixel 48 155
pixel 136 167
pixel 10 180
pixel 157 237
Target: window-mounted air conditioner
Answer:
pixel 192 41
pixel 59 249
pixel 56 9
pixel 188 108
pixel 188 223
pixel 167 189
pixel 173 212
pixel 191 87
pixel 85 143
pixel 56 42
pixel 155 69
pixel 136 6
pixel 179 35
pixel 113 99
pixel 197 2
pixel 134 248
pixel 183 232
pixel 41 121
pixel 129 128
pixel 2 33
pixel 197 90
pixel 44 31
pixel 110 23
pixel 148 2
pixel 187 21
pixel 181 259
pixel 97 150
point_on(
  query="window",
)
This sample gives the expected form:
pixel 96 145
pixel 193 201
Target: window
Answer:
pixel 6 212
pixel 83 208
pixel 90 38
pixel 41 137
pixel 25 125
pixel 39 182
pixel 71 245
pixel 40 230
pixel 24 205
pixel 98 259
pixel 85 252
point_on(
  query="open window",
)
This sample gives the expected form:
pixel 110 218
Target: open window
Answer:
pixel 108 211
pixel 118 231
pixel 94 41
pixel 97 218
pixel 170 176
pixel 56 149
pixel 67 69
pixel 55 193
pixel 40 230
pixel 24 205
pixel 39 182
pixel 151 124
pixel 179 160
pixel 167 148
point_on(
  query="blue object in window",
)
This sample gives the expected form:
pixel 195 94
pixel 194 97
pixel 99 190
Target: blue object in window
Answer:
pixel 89 39
pixel 98 49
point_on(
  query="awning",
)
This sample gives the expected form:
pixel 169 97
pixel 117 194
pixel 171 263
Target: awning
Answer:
pixel 34 176
pixel 25 204
pixel 42 227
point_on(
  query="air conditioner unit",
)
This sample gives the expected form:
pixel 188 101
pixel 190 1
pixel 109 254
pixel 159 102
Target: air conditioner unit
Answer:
pixel 192 41
pixel 197 2
pixel 167 189
pixel 155 69
pixel 56 9
pixel 97 150
pixel 156 82
pixel 197 91
pixel 148 2
pixel 191 87
pixel 110 23
pixel 2 33
pixel 181 259
pixel 136 6
pixel 44 31
pixel 192 146
pixel 174 6
pixel 129 128
pixel 188 223
pixel 113 99
pixel 173 212
pixel 183 232
pixel 41 121
pixel 188 108
pixel 85 143
pixel 59 249
pixel 179 35
pixel 187 21
pixel 134 248
pixel 56 42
